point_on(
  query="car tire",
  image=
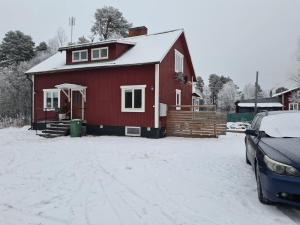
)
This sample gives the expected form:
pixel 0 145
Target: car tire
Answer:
pixel 247 160
pixel 260 195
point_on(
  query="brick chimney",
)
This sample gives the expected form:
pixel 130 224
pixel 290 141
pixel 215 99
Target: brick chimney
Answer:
pixel 136 31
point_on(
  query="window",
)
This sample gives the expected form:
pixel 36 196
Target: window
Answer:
pixel 178 99
pixel 133 98
pixel 100 53
pixel 80 56
pixel 51 99
pixel 293 106
pixel 298 93
pixel 132 131
pixel 178 62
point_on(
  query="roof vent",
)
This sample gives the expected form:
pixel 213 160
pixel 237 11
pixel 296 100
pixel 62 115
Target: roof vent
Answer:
pixel 136 31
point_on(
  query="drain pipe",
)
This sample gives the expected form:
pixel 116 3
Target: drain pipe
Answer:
pixel 31 100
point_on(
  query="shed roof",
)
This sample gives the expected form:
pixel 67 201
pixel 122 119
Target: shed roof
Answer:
pixel 147 49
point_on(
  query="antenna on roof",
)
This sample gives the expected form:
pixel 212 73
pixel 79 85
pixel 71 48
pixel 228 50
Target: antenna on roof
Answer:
pixel 72 24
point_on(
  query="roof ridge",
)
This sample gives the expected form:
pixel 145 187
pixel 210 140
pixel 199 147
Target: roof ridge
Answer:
pixel 158 33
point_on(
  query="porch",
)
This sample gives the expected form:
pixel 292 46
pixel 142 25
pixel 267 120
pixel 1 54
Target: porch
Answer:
pixel 60 105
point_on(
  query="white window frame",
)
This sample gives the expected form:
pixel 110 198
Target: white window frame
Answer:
pixel 293 104
pixel 94 49
pixel 178 93
pixel 45 91
pixel 132 88
pixel 181 56
pixel 80 59
pixel 298 93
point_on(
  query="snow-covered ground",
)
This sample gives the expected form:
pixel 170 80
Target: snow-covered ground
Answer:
pixel 128 181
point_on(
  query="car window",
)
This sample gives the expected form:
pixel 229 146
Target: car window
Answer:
pixel 253 122
pixel 258 122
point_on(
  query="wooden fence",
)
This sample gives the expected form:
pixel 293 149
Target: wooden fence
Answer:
pixel 195 121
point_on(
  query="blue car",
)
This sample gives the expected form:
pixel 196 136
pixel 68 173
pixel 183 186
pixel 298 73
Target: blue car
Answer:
pixel 273 150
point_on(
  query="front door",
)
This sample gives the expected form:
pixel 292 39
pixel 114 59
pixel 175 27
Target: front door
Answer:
pixel 77 105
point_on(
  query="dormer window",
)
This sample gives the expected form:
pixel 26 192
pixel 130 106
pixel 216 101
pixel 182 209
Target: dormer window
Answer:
pixel 178 62
pixel 80 56
pixel 100 53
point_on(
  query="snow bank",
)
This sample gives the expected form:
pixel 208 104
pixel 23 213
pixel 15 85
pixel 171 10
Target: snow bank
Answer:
pixel 282 125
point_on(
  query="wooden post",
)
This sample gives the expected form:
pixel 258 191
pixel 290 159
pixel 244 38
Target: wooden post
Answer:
pixel 256 92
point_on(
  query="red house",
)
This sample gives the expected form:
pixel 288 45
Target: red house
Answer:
pixel 290 99
pixel 117 87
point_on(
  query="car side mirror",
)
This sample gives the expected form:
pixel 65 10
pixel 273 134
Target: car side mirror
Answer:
pixel 251 132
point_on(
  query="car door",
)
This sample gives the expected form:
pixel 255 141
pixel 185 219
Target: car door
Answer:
pixel 252 141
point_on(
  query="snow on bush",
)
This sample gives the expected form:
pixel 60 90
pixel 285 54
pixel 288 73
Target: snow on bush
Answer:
pixel 18 121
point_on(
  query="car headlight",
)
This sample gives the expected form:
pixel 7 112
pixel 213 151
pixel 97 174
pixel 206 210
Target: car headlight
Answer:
pixel 280 168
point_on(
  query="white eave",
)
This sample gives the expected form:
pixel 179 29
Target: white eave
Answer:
pixel 281 93
pixel 147 49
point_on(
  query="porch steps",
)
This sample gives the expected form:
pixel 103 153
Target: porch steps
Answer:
pixel 56 129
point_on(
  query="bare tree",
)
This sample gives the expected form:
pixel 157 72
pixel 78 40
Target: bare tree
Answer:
pixel 61 37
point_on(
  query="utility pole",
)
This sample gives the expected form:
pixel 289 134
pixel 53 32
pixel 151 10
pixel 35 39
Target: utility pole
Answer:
pixel 256 92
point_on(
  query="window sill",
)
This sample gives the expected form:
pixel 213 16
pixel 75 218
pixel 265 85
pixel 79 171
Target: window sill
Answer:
pixel 132 110
pixel 48 109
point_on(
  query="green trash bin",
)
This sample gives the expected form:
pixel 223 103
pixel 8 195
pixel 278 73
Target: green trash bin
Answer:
pixel 75 128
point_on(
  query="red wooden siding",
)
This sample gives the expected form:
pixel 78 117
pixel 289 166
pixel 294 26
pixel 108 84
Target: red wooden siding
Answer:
pixel 115 50
pixel 103 105
pixel 168 84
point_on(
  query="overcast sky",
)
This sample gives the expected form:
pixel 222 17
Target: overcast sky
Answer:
pixel 227 37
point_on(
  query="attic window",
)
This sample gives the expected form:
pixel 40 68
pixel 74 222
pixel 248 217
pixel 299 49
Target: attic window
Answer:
pixel 178 62
pixel 80 56
pixel 100 53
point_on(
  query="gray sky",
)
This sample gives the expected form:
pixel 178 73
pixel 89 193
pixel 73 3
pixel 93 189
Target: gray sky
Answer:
pixel 227 37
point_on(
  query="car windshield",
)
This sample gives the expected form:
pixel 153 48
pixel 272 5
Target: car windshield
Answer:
pixel 281 125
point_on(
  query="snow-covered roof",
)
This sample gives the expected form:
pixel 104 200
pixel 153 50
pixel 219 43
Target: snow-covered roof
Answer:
pixel 196 90
pixel 150 48
pixel 261 105
pixel 74 87
pixel 281 93
pixel 89 44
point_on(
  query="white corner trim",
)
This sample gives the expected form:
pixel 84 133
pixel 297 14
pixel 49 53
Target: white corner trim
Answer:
pixel 33 115
pixel 156 97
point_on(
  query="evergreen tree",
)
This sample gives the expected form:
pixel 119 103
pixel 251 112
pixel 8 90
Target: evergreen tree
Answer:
pixel 16 47
pixel 42 47
pixel 110 23
pixel 200 84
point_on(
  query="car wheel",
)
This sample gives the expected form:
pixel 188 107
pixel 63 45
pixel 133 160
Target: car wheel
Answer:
pixel 247 160
pixel 260 195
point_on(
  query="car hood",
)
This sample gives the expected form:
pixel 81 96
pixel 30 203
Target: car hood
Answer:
pixel 285 150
